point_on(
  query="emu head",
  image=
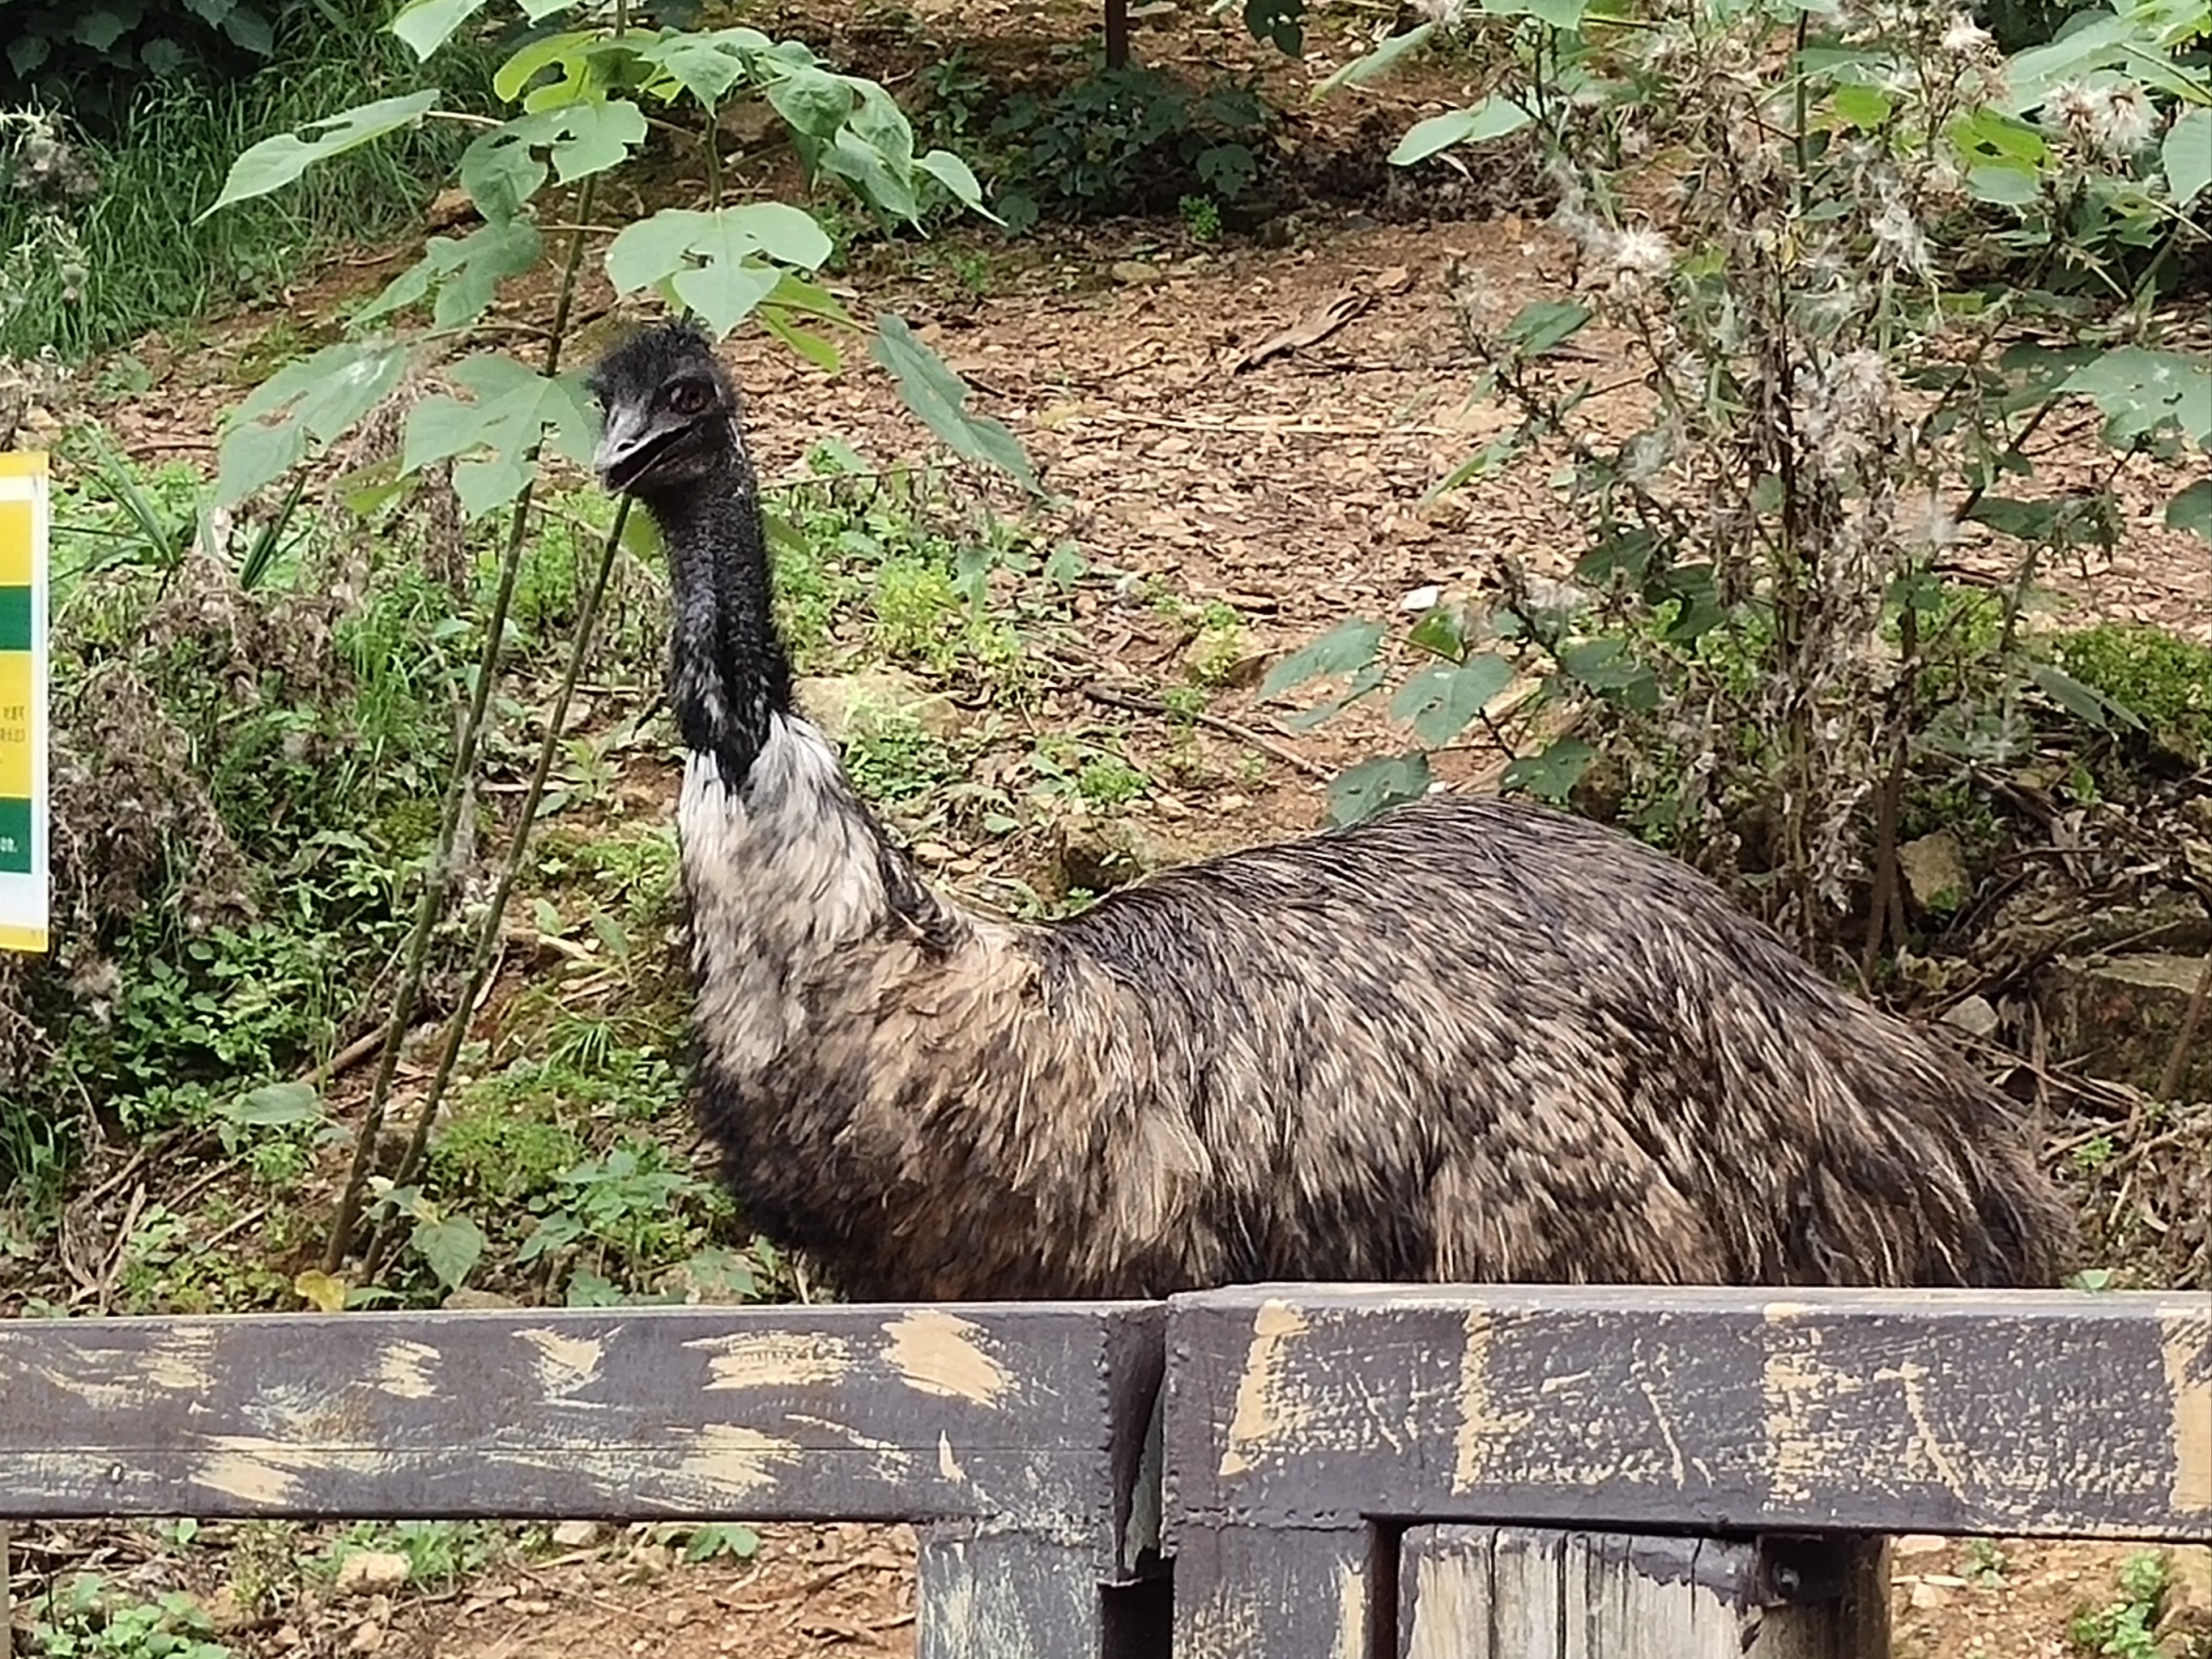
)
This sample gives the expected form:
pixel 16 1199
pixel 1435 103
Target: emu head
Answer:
pixel 669 410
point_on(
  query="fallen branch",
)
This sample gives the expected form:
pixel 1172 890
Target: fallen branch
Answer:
pixel 1259 741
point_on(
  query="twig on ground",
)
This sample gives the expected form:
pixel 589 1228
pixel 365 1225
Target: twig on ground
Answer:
pixel 2169 1081
pixel 1259 741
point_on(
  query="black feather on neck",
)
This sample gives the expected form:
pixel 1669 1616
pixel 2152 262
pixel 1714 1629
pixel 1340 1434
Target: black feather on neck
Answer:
pixel 728 670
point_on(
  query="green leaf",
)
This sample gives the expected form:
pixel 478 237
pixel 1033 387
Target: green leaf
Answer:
pixel 707 64
pixel 2001 184
pixel 1348 646
pixel 1864 106
pixel 451 1249
pixel 811 100
pixel 275 163
pixel 936 394
pixel 319 397
pixel 1360 792
pixel 2140 390
pixel 1370 66
pixel 958 177
pixel 2187 153
pixel 277 1106
pixel 728 281
pixel 1538 328
pixel 1552 775
pixel 1355 688
pixel 427 25
pixel 1493 118
pixel 2192 509
pixel 2084 702
pixel 513 407
pixel 1442 699
pixel 464 272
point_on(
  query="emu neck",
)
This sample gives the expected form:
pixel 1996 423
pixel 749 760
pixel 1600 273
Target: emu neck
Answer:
pixel 729 674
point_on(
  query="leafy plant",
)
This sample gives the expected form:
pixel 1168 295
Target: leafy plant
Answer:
pixel 93 1620
pixel 2129 1627
pixel 1124 138
pixel 1835 392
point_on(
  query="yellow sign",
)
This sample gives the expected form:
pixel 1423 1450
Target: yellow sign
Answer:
pixel 24 881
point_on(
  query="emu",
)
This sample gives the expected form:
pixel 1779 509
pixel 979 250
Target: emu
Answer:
pixel 1468 1040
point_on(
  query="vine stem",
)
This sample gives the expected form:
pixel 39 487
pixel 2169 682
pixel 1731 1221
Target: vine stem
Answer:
pixel 518 847
pixel 438 878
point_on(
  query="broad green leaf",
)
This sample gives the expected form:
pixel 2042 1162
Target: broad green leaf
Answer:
pixel 2192 509
pixel 533 56
pixel 1442 699
pixel 812 101
pixel 513 408
pixel 815 349
pixel 427 25
pixel 862 165
pixel 708 63
pixel 1864 106
pixel 2140 390
pixel 277 1106
pixel 501 174
pixel 1559 14
pixel 1358 686
pixel 2084 702
pixel 319 398
pixel 956 176
pixel 1602 665
pixel 2001 184
pixel 465 272
pixel 2030 522
pixel 1360 792
pixel 938 395
pixel 584 138
pixel 652 250
pixel 1552 774
pixel 320 1291
pixel 1537 328
pixel 1493 118
pixel 2187 153
pixel 1348 646
pixel 2030 75
pixel 275 163
pixel 725 291
pixel 1370 66
pixel 451 1249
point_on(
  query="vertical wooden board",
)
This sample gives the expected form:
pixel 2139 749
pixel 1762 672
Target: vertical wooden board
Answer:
pixel 1275 1593
pixel 1527 1582
pixel 1652 1597
pixel 1006 1595
pixel 1445 1604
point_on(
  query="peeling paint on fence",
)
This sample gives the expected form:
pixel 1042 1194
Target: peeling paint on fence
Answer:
pixel 773 1360
pixel 1263 1408
pixel 939 1353
pixel 2187 1352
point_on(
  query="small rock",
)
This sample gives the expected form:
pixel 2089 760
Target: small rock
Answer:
pixel 287 1636
pixel 1422 598
pixel 367 1639
pixel 576 1534
pixel 1925 1595
pixel 464 1300
pixel 1934 870
pixel 370 1570
pixel 224 1611
pixel 844 705
pixel 1974 1017
pixel 1920 1543
pixel 1134 272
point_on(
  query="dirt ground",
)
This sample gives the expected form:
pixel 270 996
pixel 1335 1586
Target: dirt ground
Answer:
pixel 815 1593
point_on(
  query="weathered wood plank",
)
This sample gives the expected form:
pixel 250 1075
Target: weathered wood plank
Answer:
pixel 1276 1593
pixel 1026 1415
pixel 1517 1593
pixel 1702 1410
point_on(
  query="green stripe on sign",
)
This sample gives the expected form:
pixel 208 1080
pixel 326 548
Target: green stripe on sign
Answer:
pixel 15 837
pixel 15 619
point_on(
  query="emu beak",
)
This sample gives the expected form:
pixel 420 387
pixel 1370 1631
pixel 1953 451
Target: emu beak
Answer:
pixel 625 449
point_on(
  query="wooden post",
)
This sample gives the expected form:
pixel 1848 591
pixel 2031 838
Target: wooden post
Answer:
pixel 1519 1593
pixel 7 1598
pixel 1272 1592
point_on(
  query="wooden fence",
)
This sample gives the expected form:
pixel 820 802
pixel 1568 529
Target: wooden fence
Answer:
pixel 1332 1473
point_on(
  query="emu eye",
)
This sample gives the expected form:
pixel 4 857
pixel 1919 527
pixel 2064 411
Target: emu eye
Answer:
pixel 687 397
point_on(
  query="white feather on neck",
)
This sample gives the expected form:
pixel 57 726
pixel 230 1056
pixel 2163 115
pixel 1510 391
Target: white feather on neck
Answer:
pixel 782 873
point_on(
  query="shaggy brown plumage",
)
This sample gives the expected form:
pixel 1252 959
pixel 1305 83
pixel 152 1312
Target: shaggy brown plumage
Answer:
pixel 1468 1040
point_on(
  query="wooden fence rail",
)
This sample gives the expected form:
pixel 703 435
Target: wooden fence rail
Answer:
pixel 1335 1472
